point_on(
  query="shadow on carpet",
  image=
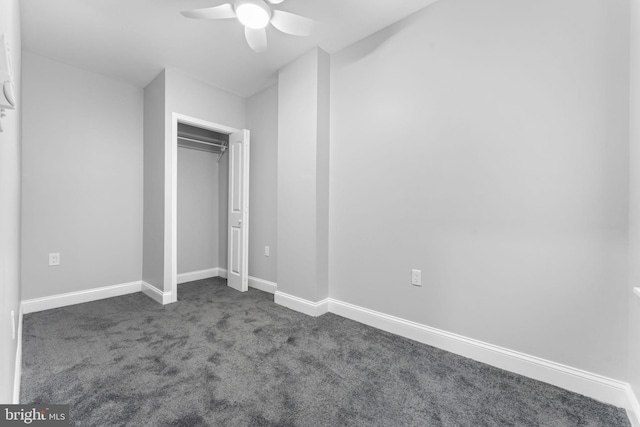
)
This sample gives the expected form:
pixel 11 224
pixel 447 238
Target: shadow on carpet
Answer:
pixel 223 358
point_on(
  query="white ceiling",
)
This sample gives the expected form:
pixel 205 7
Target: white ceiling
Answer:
pixel 134 40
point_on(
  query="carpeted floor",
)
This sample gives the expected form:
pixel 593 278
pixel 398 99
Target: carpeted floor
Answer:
pixel 219 357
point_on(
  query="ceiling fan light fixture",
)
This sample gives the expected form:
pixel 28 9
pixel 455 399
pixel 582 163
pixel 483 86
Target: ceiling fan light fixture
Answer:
pixel 255 15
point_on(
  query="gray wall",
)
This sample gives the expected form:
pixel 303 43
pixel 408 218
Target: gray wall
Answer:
pixel 634 202
pixel 302 211
pixel 10 141
pixel 82 179
pixel 154 117
pixel 197 210
pixel 262 120
pixel 194 98
pixel 486 143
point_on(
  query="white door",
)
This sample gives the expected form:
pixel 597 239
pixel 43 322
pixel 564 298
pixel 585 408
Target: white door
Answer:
pixel 238 253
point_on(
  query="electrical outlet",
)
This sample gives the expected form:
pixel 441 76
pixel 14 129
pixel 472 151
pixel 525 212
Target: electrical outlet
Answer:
pixel 416 277
pixel 266 251
pixel 54 259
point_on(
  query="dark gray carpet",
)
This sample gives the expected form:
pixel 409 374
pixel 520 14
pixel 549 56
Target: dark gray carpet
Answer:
pixel 219 357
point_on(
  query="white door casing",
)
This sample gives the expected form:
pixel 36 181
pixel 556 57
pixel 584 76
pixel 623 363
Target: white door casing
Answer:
pixel 238 246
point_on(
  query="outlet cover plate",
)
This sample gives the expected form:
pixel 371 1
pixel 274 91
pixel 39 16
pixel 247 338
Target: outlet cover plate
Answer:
pixel 416 277
pixel 54 259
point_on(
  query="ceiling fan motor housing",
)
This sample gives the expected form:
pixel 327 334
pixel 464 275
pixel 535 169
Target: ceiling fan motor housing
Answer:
pixel 253 13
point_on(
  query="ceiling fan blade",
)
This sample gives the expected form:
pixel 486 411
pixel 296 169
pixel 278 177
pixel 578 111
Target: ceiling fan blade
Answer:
pixel 275 1
pixel 257 39
pixel 224 11
pixel 293 24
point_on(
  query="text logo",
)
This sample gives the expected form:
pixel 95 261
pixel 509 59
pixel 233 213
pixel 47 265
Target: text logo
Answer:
pixel 34 415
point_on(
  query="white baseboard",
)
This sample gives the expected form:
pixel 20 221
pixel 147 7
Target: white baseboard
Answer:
pixel 71 298
pixel 198 275
pixel 254 282
pixel 310 308
pixel 156 294
pixel 17 372
pixel 596 386
pixel 263 285
pixel 632 407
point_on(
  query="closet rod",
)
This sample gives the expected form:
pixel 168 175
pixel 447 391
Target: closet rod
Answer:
pixel 203 149
pixel 224 147
pixel 200 137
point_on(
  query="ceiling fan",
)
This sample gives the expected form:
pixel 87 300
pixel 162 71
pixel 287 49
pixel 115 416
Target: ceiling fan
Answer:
pixel 255 15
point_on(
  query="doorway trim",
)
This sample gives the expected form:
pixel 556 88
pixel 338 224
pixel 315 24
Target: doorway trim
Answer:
pixel 171 194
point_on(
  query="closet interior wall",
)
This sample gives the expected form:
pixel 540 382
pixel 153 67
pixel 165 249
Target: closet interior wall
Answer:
pixel 199 199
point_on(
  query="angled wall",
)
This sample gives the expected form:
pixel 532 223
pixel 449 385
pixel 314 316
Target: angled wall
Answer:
pixel 303 174
pixel 486 144
pixel 154 117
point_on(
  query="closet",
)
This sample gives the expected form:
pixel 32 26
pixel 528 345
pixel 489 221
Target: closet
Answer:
pixel 202 192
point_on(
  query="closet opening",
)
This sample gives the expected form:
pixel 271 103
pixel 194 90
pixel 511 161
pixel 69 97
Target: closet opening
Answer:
pixel 201 210
pixel 208 213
